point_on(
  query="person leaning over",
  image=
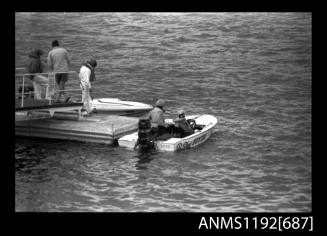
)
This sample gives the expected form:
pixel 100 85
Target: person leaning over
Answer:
pixel 35 66
pixel 86 76
pixel 59 61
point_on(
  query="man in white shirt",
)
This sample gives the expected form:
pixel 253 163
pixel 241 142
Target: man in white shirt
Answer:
pixel 86 76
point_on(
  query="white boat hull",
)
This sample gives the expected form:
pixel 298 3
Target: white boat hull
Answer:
pixel 116 106
pixel 178 144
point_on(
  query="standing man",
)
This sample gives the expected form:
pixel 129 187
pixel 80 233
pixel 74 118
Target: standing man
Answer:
pixel 87 76
pixel 58 61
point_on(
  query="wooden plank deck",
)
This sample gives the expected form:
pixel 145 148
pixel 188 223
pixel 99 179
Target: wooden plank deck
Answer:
pixel 99 128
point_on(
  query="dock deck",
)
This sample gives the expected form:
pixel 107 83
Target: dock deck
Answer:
pixel 98 128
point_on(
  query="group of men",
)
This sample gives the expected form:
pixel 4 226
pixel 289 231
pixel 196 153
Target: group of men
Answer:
pixel 58 61
pixel 159 127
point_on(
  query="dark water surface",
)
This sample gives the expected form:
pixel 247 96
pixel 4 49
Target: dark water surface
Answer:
pixel 250 70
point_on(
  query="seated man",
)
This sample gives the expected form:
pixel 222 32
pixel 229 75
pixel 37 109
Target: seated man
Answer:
pixel 157 119
pixel 158 125
pixel 183 126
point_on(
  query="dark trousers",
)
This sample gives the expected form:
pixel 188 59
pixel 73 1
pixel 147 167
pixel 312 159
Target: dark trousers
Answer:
pixel 166 131
pixel 61 80
pixel 157 131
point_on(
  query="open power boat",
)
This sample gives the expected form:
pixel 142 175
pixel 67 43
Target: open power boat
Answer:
pixel 203 128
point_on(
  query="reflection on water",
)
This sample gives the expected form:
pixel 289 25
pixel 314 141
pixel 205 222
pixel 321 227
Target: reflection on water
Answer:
pixel 144 157
pixel 208 178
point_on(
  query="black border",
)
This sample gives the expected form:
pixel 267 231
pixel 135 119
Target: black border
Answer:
pixel 118 223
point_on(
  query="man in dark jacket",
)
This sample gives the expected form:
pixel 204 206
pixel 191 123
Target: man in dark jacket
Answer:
pixel 183 126
pixel 35 66
pixel 34 63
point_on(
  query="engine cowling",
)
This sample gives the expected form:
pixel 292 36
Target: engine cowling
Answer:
pixel 144 134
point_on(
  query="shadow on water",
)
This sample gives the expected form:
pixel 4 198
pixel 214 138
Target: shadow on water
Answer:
pixel 144 158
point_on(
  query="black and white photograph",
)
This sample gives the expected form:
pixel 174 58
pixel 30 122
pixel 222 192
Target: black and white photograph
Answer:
pixel 163 112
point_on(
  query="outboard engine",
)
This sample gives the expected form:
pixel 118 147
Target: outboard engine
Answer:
pixel 144 135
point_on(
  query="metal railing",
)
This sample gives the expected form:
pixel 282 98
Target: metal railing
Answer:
pixel 49 87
